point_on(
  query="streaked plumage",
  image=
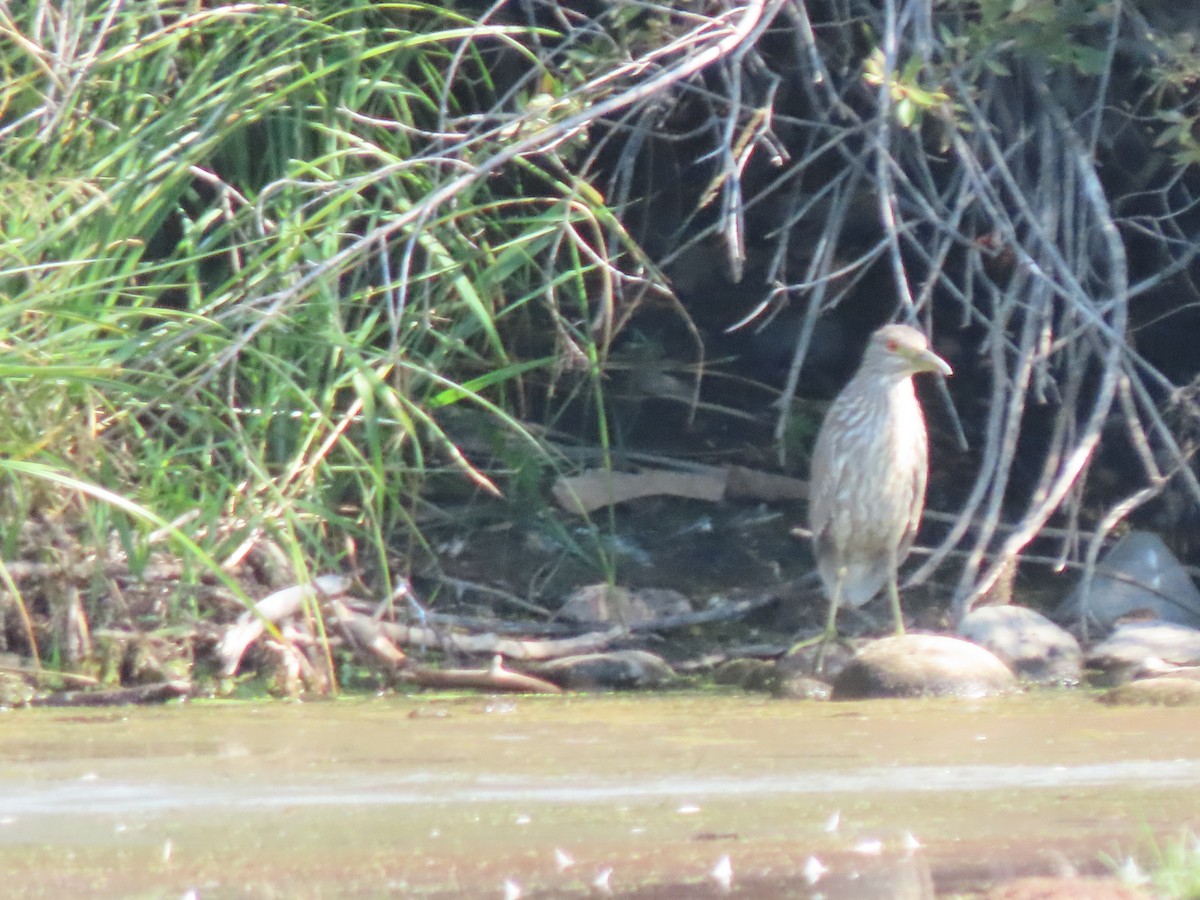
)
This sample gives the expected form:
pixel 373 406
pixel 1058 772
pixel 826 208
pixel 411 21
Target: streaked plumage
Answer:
pixel 869 468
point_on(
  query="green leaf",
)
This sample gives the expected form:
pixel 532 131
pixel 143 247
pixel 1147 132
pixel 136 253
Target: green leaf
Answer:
pixel 997 68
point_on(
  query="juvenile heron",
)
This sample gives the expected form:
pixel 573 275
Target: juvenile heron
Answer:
pixel 867 484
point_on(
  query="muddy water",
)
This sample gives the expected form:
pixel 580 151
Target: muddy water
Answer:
pixel 404 797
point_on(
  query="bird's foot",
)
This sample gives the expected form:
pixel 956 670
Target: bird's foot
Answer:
pixel 815 664
pixel 822 652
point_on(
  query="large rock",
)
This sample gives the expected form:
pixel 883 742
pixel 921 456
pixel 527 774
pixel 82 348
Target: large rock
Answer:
pixel 1140 647
pixel 923 665
pixel 1029 643
pixel 1139 574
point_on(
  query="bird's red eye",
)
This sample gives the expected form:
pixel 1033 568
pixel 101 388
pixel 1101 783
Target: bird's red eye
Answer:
pixel 893 345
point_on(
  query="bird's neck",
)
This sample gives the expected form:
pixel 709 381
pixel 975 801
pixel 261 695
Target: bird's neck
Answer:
pixel 899 395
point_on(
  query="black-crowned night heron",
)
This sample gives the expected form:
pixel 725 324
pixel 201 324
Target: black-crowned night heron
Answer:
pixel 867 485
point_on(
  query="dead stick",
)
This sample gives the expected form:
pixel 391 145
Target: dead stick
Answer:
pixel 147 693
pixel 493 678
pixel 273 608
pixel 47 674
pixel 480 644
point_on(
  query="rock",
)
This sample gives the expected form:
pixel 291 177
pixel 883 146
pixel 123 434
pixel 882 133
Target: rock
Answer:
pixel 598 604
pixel 620 670
pixel 795 676
pixel 1140 647
pixel 1029 643
pixel 1139 574
pixel 748 674
pixel 795 686
pixel 1190 673
pixel 1164 691
pixel 923 665
pixel 802 658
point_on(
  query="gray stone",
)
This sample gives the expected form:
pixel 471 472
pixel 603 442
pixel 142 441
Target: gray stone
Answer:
pixel 1029 643
pixel 923 665
pixel 748 674
pixel 1139 574
pixel 794 686
pixel 1139 647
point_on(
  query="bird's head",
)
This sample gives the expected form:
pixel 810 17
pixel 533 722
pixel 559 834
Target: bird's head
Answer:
pixel 903 351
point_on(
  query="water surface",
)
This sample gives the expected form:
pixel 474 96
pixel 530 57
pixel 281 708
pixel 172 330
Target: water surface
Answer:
pixel 413 796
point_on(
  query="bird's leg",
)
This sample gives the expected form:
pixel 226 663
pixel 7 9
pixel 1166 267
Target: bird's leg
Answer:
pixel 830 634
pixel 894 594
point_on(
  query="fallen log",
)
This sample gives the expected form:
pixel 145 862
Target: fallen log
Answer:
pixel 145 693
pixel 595 489
pixel 490 644
pixel 494 678
pixel 364 634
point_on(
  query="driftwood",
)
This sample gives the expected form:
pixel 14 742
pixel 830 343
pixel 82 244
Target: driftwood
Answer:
pixel 381 640
pixel 459 585
pixel 22 570
pixel 563 633
pixel 364 634
pixel 597 488
pixel 479 624
pixel 32 672
pixel 272 609
pixel 485 644
pixel 146 693
pixel 494 678
pixel 719 613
